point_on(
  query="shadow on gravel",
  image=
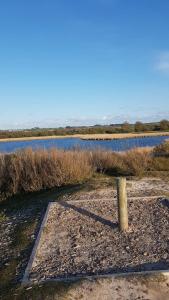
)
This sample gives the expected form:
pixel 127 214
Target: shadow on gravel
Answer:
pixel 153 266
pixel 128 270
pixel 89 214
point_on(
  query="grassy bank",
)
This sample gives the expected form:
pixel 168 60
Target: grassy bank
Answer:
pixel 29 171
pixel 92 136
pixel 116 136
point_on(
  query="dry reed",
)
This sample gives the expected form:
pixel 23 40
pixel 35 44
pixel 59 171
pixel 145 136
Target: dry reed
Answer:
pixel 28 170
pixel 33 170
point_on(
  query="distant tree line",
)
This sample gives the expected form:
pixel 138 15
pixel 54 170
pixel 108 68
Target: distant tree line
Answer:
pixel 126 127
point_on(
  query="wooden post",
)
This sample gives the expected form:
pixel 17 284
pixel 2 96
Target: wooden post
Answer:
pixel 122 203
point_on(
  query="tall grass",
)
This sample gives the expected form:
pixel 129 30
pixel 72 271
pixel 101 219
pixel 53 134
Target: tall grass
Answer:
pixel 33 170
pixel 131 162
pixel 138 160
pixel 108 161
pixel 28 170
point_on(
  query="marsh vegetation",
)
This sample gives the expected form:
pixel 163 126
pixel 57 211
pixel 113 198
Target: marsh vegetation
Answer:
pixel 34 170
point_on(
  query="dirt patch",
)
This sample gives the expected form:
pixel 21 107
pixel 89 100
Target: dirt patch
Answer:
pixel 82 238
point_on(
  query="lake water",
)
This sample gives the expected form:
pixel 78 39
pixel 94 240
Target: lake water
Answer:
pixel 70 143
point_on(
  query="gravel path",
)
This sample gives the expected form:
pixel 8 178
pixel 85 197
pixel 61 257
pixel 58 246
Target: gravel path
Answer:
pixel 82 238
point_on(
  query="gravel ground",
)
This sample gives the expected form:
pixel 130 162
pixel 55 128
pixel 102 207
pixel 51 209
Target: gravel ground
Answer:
pixel 135 188
pixel 19 228
pixel 82 238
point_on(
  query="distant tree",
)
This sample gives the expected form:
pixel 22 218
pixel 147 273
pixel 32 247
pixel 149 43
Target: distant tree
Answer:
pixel 126 127
pixel 164 125
pixel 139 126
pixel 35 128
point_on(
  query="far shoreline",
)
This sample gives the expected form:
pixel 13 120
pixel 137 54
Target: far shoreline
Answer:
pixel 105 136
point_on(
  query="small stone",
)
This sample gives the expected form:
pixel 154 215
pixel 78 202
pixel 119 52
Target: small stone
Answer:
pixel 145 253
pixel 165 256
pixel 29 288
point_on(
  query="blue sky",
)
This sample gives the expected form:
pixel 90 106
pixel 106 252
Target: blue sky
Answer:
pixel 78 62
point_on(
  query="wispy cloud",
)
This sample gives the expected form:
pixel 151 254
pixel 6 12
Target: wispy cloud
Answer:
pixel 162 62
pixel 82 121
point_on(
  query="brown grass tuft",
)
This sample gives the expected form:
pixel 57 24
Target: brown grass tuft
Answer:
pixel 137 160
pixel 162 149
pixel 28 170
